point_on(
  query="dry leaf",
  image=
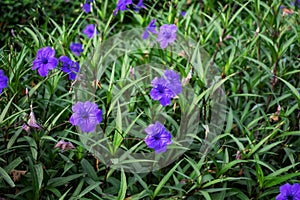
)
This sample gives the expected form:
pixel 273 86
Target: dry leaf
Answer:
pixel 16 174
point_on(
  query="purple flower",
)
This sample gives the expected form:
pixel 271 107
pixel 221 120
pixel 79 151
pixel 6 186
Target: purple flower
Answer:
pixel 3 81
pixel 161 91
pixel 173 80
pixel 139 5
pixel 86 115
pixel 164 89
pixel 45 61
pixel 87 7
pixel 157 137
pixel 166 35
pixel 288 192
pixel 76 48
pixel 122 5
pixel 151 28
pixel 69 66
pixel 64 145
pixel 90 30
pixel 183 13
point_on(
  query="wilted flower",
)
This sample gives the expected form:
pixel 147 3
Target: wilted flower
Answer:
pixel 157 137
pixel 32 121
pixel 3 81
pixel 151 28
pixel 76 48
pixel 131 71
pixel 45 61
pixel 86 115
pixel 188 78
pixel 164 89
pixel 288 192
pixel 166 35
pixel 90 30
pixel 69 66
pixel 12 32
pixel 238 155
pixel 64 145
pixel 26 128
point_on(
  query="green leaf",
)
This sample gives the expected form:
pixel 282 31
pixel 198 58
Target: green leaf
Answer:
pixel 164 180
pixel 123 186
pixel 88 168
pixel 6 177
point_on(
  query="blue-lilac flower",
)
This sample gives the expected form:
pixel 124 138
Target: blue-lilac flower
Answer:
pixel 45 60
pixel 288 191
pixel 90 30
pixel 183 13
pixel 122 5
pixel 164 89
pixel 173 81
pixel 161 91
pixel 166 35
pixel 3 81
pixel 87 7
pixel 151 28
pixel 157 137
pixel 139 5
pixel 76 48
pixel 86 115
pixel 69 66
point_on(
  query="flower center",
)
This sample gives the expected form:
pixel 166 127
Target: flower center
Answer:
pixel 44 60
pixel 290 197
pixel 167 34
pixel 160 89
pixel 85 115
pixel 156 137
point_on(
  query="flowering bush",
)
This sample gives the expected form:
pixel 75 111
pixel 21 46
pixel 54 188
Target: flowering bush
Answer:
pixel 150 100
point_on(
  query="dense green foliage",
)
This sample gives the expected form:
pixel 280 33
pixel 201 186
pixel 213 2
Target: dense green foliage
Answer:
pixel 254 44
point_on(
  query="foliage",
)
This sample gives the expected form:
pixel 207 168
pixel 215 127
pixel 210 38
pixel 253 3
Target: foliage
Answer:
pixel 253 44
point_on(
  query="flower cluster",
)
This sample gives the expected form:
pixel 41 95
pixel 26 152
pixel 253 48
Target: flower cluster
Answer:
pixel 86 115
pixel 165 36
pixel 46 61
pixel 3 81
pixel 157 137
pixel 122 5
pixel 166 88
pixel 288 191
